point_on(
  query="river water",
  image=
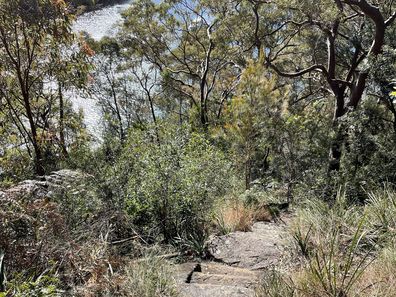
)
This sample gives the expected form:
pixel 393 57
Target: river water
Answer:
pixel 100 23
pixel 97 24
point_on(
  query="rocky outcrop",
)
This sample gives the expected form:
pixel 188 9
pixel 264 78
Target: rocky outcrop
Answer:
pixel 264 247
pixel 214 280
pixel 239 259
pixel 36 189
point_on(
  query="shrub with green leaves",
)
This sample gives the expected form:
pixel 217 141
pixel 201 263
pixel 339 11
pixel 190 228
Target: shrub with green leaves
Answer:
pixel 169 187
pixel 46 285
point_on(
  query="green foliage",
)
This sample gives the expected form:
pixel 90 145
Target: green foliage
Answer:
pixel 78 202
pixel 272 138
pixel 190 44
pixel 252 136
pixel 225 69
pixel 40 121
pixel 303 241
pixel 169 187
pixel 46 285
pixel 370 151
pixel 14 165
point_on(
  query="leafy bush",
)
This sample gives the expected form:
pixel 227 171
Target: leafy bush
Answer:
pixel 169 188
pixel 14 166
pixel 45 285
pixel 370 154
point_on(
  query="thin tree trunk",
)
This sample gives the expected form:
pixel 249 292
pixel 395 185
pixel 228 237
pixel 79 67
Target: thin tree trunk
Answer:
pixel 38 155
pixel 154 116
pixel 117 109
pixel 61 122
pixel 338 141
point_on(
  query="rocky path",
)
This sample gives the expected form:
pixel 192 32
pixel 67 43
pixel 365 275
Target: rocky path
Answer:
pixel 239 259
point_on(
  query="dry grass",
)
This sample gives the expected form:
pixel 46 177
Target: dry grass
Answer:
pixel 150 277
pixel 262 214
pixel 379 280
pixel 348 251
pixel 235 216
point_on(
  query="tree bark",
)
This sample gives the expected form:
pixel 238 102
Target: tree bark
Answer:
pixel 38 155
pixel 61 121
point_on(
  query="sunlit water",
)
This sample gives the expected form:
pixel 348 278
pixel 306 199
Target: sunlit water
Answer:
pixel 100 23
pixel 97 24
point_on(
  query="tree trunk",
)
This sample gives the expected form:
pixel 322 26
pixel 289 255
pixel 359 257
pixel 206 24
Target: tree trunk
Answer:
pixel 38 155
pixel 247 174
pixel 61 122
pixel 336 150
pixel 154 117
pixel 338 141
pixel 204 118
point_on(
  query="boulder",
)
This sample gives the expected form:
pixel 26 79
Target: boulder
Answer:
pixel 38 189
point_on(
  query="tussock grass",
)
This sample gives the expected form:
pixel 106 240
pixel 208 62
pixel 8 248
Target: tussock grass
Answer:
pixel 234 216
pixel 237 216
pixel 150 276
pixel 348 250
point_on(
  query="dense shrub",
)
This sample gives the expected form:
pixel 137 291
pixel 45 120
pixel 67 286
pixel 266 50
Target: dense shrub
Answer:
pixel 169 187
pixel 370 158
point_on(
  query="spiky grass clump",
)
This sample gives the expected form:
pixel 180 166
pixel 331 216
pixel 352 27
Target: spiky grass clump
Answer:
pixel 150 277
pixel 348 250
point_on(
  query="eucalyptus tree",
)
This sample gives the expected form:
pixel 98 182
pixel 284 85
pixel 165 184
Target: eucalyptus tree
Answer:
pixel 31 32
pixel 187 42
pixel 35 56
pixel 333 43
pixel 126 88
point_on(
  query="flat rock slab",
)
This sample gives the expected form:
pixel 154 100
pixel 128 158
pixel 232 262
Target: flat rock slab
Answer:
pixel 215 280
pixel 239 259
pixel 209 290
pixel 263 247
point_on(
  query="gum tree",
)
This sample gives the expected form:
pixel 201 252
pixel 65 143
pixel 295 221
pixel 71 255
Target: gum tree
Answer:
pixel 332 45
pixel 31 33
pixel 187 42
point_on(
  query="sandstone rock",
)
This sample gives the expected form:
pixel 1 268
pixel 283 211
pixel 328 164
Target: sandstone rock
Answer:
pixel 259 249
pixel 38 189
pixel 215 280
pixel 208 290
pixel 239 258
